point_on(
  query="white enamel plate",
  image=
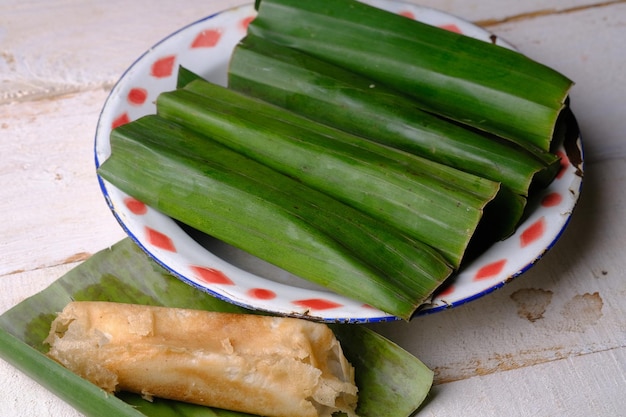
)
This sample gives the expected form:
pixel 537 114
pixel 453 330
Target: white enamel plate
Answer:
pixel 227 273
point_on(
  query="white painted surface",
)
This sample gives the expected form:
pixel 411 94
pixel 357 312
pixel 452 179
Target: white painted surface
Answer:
pixel 552 343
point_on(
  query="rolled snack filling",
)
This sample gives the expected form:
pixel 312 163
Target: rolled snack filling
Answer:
pixel 270 366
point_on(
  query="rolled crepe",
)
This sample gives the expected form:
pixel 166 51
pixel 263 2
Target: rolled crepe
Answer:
pixel 270 366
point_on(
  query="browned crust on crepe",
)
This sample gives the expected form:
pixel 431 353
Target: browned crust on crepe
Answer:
pixel 270 366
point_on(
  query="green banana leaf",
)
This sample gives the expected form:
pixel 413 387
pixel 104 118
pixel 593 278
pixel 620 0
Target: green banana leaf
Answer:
pixel 391 381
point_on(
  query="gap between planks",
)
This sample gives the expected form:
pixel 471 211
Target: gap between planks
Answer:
pixel 544 12
pixel 503 367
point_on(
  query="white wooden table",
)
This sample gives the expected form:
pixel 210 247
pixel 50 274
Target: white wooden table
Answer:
pixel 551 343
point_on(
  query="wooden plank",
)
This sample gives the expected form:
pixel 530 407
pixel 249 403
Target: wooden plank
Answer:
pixel 58 47
pixel 53 210
pixel 22 285
pixel 88 45
pixel 580 386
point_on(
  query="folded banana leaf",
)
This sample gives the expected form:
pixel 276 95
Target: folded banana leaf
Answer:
pixel 476 83
pixel 391 381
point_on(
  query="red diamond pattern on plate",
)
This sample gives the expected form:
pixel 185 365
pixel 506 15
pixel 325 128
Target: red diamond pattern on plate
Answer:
pixel 551 200
pixel 120 120
pixel 164 67
pixel 137 96
pixel 451 27
pixel 317 304
pixel 262 294
pixel 160 240
pixel 246 22
pixel 490 270
pixel 446 291
pixel 207 38
pixel 135 206
pixel 211 275
pixel 533 233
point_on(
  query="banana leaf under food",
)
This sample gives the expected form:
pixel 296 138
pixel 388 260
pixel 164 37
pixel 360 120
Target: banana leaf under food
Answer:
pixel 391 381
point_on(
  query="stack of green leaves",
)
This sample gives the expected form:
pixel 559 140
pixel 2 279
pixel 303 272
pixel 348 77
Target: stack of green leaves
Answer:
pixel 318 164
pixel 436 204
pixel 346 100
pixel 473 82
pixel 200 182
